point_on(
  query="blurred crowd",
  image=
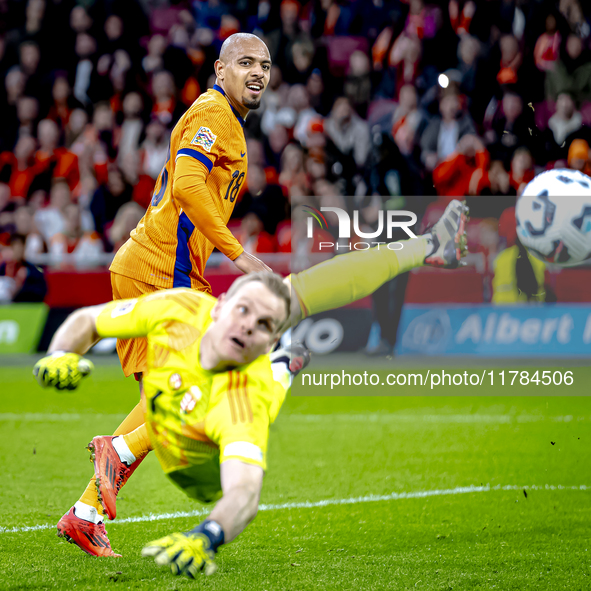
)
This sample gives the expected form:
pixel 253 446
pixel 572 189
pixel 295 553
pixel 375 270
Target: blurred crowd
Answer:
pixel 369 100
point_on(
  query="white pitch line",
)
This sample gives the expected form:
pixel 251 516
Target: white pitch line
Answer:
pixel 433 418
pixel 313 418
pixel 38 417
pixel 327 502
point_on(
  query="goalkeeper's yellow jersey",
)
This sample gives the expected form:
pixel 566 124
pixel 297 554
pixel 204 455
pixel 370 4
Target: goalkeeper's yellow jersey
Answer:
pixel 195 416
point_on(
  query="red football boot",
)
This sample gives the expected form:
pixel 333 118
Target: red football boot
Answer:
pixel 88 536
pixel 110 473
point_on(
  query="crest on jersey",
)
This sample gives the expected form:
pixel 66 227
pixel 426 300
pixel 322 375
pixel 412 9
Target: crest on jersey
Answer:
pixel 205 138
pixel 190 399
pixel 175 381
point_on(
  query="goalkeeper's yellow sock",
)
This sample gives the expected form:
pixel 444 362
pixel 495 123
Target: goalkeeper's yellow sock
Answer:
pixel 138 442
pixel 352 276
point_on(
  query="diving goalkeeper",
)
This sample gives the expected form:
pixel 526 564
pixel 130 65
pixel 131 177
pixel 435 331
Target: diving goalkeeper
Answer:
pixel 329 285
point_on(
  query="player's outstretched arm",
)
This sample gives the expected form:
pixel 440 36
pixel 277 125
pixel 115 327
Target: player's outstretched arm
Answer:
pixel 78 333
pixel 241 487
pixel 190 552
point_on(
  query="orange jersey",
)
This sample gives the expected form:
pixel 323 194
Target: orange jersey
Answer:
pixel 193 199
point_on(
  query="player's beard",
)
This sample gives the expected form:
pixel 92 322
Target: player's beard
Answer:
pixel 253 104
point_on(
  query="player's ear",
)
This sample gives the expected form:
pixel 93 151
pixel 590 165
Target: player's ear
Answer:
pixel 216 310
pixel 219 69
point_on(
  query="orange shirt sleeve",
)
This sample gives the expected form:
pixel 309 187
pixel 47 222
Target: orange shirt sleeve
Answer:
pixel 194 197
pixel 206 136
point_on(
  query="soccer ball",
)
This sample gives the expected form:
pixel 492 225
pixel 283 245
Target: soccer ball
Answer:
pixel 554 217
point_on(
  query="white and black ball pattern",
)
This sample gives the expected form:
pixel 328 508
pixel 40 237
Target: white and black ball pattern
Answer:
pixel 554 217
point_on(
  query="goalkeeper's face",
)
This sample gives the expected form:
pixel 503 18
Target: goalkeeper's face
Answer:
pixel 247 324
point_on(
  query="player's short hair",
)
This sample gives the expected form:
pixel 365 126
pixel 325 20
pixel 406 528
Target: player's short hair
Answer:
pixel 273 282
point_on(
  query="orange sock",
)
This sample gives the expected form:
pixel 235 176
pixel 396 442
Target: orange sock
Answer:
pixel 138 441
pixel 131 422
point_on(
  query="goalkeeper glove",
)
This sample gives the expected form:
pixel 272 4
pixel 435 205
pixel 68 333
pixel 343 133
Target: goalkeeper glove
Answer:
pixel 187 554
pixel 62 370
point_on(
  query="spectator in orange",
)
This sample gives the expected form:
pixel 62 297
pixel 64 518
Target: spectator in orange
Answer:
pixel 253 237
pixel 462 169
pixel 460 19
pixel 166 108
pixel 547 49
pixel 18 168
pixel 60 162
pixel 578 156
pixel 511 59
pixel 522 169
pixel 85 246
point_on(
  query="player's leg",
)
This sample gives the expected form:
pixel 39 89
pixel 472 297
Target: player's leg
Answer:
pixel 83 524
pixel 110 470
pixel 350 277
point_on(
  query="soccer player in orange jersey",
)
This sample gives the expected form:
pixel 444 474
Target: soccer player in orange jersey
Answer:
pixel 192 203
pixel 197 189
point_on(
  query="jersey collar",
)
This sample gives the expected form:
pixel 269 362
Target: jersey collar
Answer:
pixel 221 91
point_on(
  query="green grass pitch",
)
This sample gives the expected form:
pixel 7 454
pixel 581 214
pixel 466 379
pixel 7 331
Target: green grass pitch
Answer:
pixel 525 525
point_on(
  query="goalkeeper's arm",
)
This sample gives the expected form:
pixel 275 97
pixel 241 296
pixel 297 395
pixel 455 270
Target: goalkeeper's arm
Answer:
pixel 78 333
pixel 190 552
pixel 241 486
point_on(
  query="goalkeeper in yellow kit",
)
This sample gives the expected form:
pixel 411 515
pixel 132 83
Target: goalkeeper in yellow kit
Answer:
pixel 210 394
pixel 199 446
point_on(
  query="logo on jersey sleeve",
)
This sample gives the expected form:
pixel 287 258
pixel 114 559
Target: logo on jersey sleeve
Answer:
pixel 123 308
pixel 204 138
